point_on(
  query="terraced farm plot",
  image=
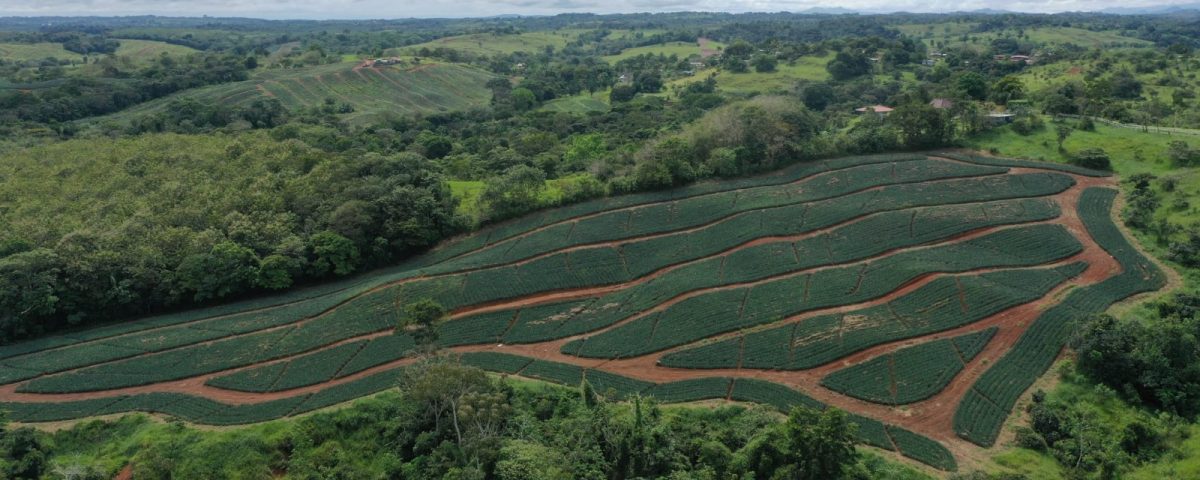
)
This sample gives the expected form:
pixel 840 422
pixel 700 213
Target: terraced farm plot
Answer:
pixel 429 87
pixel 861 283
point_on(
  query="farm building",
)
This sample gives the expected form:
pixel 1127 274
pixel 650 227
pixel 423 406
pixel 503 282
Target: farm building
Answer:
pixel 942 103
pixel 880 110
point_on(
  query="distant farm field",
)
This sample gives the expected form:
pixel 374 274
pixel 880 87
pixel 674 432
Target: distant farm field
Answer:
pixel 428 87
pixel 490 44
pixel 36 51
pixel 921 293
pixel 683 50
pixel 149 50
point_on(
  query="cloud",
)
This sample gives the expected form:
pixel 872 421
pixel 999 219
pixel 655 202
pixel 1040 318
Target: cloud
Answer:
pixel 479 8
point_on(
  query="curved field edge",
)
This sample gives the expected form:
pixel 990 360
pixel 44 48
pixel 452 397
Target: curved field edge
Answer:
pixel 350 287
pixel 455 294
pixel 209 412
pixel 910 374
pixel 448 249
pixel 980 416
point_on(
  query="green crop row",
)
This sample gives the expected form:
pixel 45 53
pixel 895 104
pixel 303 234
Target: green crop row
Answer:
pixel 696 211
pixel 303 303
pixel 319 366
pixel 737 307
pixel 550 269
pixel 1012 162
pixel 497 234
pixel 692 390
pixel 371 313
pixel 204 411
pixel 932 308
pixel 909 374
pixel 881 231
pixel 115 345
pixel 495 362
pixel 590 267
pixel 982 411
pixel 302 371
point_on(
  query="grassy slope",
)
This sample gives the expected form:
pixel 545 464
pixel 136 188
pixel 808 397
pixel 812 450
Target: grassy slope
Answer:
pixel 36 51
pixel 582 103
pixel 490 44
pixel 427 88
pixel 1132 151
pixel 149 50
pixel 468 192
pixel 681 49
pixel 784 78
pixel 1051 75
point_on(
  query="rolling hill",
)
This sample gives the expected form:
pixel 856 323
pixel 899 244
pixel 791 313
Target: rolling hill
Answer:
pixel 943 284
pixel 491 44
pixel 428 87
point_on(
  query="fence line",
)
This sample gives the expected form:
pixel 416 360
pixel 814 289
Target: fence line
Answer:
pixel 1134 126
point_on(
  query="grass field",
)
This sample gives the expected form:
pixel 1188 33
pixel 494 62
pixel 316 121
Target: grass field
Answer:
pixel 582 103
pixel 36 51
pixel 784 79
pixel 490 44
pixel 429 87
pixel 1132 151
pixel 757 288
pixel 150 50
pixel 681 49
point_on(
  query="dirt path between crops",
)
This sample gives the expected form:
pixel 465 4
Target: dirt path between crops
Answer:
pixel 549 296
pixel 552 296
pixel 736 191
pixel 932 417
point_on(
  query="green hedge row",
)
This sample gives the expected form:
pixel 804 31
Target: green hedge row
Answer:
pixel 981 414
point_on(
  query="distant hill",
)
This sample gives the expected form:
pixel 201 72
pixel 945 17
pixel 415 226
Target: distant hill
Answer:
pixel 428 87
pixel 1153 9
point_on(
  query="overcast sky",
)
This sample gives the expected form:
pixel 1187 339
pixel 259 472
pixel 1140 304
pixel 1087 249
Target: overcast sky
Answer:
pixel 328 9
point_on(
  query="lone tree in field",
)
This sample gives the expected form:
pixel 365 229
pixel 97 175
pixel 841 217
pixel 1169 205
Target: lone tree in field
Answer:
pixel 1063 132
pixel 420 319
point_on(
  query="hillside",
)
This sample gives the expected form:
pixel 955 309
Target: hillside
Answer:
pixel 491 44
pixel 427 87
pixel 863 283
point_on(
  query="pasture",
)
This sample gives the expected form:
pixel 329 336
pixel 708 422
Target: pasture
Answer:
pixel 424 87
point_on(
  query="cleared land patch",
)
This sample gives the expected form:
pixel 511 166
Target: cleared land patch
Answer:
pixel 428 87
pixel 860 283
